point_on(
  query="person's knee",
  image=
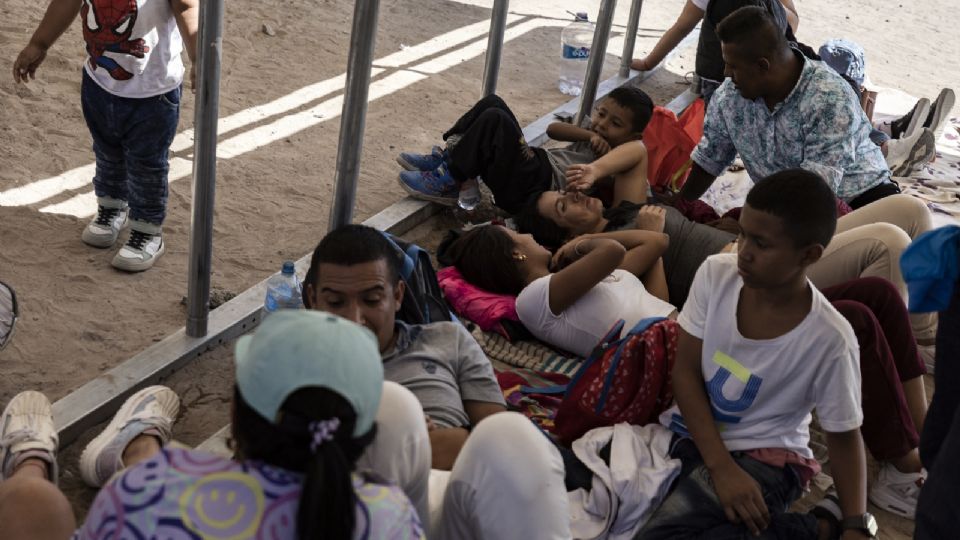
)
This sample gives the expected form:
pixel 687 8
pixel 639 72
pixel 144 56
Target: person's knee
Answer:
pixel 872 288
pixel 400 413
pixel 32 507
pixel 509 448
pixel 859 317
pixel 495 115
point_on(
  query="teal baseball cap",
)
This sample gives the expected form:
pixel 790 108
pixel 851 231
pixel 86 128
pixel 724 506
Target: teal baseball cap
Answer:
pixel 294 349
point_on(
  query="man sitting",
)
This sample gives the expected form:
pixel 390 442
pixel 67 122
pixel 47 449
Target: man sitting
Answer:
pixel 780 110
pixel 355 273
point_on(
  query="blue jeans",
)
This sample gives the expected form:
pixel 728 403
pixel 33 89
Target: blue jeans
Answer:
pixel 131 142
pixel 692 509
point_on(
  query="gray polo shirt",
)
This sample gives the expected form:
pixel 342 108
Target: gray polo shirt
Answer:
pixel 443 366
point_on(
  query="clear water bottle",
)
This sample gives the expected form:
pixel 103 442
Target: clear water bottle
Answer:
pixel 469 194
pixel 283 291
pixel 575 40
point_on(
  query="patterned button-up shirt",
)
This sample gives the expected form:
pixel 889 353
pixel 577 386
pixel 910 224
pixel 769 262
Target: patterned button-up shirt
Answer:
pixel 819 127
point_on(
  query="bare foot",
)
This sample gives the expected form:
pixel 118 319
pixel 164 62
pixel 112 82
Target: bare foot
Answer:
pixel 651 218
pixel 640 64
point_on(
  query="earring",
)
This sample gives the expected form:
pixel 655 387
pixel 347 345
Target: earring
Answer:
pixel 520 257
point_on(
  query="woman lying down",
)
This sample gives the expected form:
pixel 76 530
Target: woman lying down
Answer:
pixel 572 298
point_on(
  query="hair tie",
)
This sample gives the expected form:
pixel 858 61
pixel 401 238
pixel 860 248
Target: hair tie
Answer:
pixel 322 431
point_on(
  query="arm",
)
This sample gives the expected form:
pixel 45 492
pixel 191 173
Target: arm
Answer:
pixel 831 126
pixel 58 17
pixel 445 446
pixel 685 23
pixel 738 492
pixel 698 182
pixel 793 18
pixel 849 469
pixel 562 131
pixel 186 12
pixel 591 261
pixel 644 248
pixel 621 159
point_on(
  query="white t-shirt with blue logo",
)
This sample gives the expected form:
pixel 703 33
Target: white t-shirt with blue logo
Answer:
pixel 762 391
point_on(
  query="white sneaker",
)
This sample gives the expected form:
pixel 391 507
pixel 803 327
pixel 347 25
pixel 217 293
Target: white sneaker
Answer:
pixel 27 430
pixel 897 492
pixel 150 410
pixel 142 249
pixel 939 111
pixel 103 230
pixel 907 154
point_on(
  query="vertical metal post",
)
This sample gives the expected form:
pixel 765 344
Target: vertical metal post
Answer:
pixel 598 53
pixel 630 38
pixel 362 39
pixel 498 25
pixel 209 41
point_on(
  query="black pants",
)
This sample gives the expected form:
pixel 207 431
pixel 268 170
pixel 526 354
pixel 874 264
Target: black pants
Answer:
pixel 938 511
pixel 875 194
pixel 491 145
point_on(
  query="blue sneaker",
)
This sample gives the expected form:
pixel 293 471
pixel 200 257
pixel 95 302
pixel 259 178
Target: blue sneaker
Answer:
pixel 422 162
pixel 435 186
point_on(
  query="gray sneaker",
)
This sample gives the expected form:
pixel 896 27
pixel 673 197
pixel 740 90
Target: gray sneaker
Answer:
pixel 27 431
pixel 142 249
pixel 111 218
pixel 151 410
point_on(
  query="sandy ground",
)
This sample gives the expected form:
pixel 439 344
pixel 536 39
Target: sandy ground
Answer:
pixel 80 317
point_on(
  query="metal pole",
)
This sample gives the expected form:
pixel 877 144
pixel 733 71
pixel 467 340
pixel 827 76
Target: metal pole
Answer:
pixel 630 38
pixel 209 41
pixel 491 68
pixel 598 52
pixel 362 38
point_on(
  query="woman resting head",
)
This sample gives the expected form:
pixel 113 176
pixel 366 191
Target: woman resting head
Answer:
pixel 569 299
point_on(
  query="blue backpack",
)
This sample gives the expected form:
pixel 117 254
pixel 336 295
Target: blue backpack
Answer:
pixel 422 300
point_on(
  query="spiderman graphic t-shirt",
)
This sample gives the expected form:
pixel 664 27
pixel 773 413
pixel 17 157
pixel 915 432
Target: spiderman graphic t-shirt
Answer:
pixel 133 46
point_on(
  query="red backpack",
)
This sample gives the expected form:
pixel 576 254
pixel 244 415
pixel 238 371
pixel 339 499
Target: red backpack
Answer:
pixel 669 141
pixel 625 379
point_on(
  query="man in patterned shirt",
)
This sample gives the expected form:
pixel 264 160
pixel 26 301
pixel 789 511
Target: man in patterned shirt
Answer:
pixel 780 110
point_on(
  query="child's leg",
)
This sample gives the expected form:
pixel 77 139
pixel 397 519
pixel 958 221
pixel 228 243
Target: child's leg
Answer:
pixel 492 101
pixel 493 148
pixel 110 179
pixel 888 429
pixel 32 507
pixel 150 125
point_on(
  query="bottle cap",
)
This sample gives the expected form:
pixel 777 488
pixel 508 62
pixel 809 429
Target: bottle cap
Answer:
pixel 288 268
pixel 582 16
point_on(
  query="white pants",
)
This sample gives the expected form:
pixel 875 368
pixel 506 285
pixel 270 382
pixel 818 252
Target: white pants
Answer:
pixel 507 482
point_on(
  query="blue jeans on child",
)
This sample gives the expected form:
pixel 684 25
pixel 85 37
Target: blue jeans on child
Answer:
pixel 692 509
pixel 131 142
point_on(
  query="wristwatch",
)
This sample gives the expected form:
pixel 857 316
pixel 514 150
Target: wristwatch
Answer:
pixel 863 522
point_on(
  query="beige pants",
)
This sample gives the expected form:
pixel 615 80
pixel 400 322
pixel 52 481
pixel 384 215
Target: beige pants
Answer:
pixel 869 242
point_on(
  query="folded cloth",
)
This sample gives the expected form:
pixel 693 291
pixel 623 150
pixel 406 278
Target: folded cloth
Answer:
pixel 930 266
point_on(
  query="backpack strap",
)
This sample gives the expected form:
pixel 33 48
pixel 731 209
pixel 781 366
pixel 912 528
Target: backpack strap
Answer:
pixel 638 328
pixel 409 262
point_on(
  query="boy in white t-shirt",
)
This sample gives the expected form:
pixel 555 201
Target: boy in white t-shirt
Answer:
pixel 759 348
pixel 132 82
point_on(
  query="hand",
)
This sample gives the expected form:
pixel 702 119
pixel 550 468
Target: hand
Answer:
pixel 642 64
pixel 651 218
pixel 569 253
pixel 581 177
pixel 431 425
pixel 665 196
pixel 599 145
pixel 27 62
pixel 741 498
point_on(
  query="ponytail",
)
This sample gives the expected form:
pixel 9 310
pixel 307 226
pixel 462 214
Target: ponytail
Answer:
pixel 314 436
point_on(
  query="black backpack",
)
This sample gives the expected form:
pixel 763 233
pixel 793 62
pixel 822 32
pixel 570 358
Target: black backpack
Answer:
pixel 423 300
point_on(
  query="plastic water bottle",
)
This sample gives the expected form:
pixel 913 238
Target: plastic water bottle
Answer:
pixel 469 196
pixel 283 291
pixel 575 40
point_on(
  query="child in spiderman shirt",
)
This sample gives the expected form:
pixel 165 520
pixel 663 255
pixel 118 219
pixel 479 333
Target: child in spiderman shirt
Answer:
pixel 130 95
